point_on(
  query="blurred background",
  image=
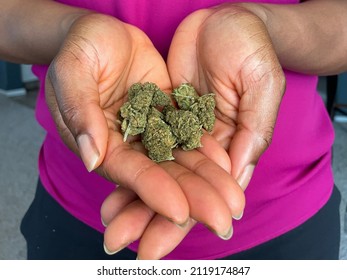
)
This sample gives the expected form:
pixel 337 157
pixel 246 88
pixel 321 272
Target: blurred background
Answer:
pixel 21 136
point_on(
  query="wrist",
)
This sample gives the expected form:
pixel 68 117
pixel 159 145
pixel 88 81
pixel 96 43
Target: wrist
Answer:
pixel 69 19
pixel 257 9
pixel 302 36
pixel 35 40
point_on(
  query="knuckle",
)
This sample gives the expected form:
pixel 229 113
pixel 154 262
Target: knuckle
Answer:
pixel 57 68
pixel 70 114
pixel 266 136
pixel 145 168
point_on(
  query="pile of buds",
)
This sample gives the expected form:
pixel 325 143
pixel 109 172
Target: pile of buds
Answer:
pixel 162 126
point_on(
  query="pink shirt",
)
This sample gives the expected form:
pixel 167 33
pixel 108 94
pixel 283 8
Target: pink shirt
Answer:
pixel 291 183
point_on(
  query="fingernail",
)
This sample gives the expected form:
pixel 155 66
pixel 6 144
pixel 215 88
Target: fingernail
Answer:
pixel 245 177
pixel 88 151
pixel 227 235
pixel 108 252
pixel 183 225
pixel 180 225
pixel 103 223
pixel 238 217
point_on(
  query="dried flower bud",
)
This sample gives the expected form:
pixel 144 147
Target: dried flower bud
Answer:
pixel 160 99
pixel 154 112
pixel 158 138
pixel 134 89
pixel 163 131
pixel 142 101
pixel 204 109
pixel 134 125
pixel 186 128
pixel 168 108
pixel 148 86
pixel 185 96
pixel 125 110
pixel 135 111
pixel 134 121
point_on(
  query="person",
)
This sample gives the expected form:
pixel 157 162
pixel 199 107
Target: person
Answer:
pixel 272 134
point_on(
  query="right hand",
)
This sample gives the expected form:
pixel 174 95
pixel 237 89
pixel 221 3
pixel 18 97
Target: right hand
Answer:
pixel 86 85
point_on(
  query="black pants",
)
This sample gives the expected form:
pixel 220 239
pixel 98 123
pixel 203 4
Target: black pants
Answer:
pixel 52 233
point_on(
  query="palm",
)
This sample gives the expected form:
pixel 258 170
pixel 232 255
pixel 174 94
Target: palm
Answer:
pixel 231 55
pixel 118 63
pixel 85 87
pixel 203 54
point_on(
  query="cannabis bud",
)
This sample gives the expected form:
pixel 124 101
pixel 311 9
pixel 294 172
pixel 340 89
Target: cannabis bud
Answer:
pixel 135 111
pixel 201 106
pixel 162 131
pixel 158 138
pixel 185 96
pixel 186 128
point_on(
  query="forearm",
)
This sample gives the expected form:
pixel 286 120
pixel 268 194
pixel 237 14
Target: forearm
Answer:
pixel 310 37
pixel 33 31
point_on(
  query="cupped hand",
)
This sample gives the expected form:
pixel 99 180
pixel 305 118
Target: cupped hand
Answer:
pixel 86 85
pixel 225 50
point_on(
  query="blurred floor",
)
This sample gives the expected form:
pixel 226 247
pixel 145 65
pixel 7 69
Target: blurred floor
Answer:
pixel 20 138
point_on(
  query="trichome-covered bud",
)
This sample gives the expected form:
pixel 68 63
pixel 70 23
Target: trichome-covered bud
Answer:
pixel 186 128
pixel 142 100
pixel 158 138
pixel 133 121
pixel 185 96
pixel 160 99
pixel 204 109
pixel 161 131
pixel 167 109
pixel 134 112
pixel 134 89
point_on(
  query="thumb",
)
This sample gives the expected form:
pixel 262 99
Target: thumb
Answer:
pixel 245 151
pixel 73 99
pixel 258 109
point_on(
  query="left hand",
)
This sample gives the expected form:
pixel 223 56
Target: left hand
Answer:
pixel 225 50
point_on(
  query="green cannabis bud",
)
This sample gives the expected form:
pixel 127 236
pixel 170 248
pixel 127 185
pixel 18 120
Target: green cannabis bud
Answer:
pixel 158 138
pixel 160 99
pixel 135 111
pixel 204 109
pixel 185 96
pixel 186 127
pixel 202 106
pixel 162 131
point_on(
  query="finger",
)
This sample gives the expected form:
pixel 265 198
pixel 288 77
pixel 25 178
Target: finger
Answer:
pixel 205 204
pixel 161 237
pixel 154 185
pixel 222 182
pixel 127 226
pixel 79 110
pixel 115 202
pixel 182 60
pixel 213 150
